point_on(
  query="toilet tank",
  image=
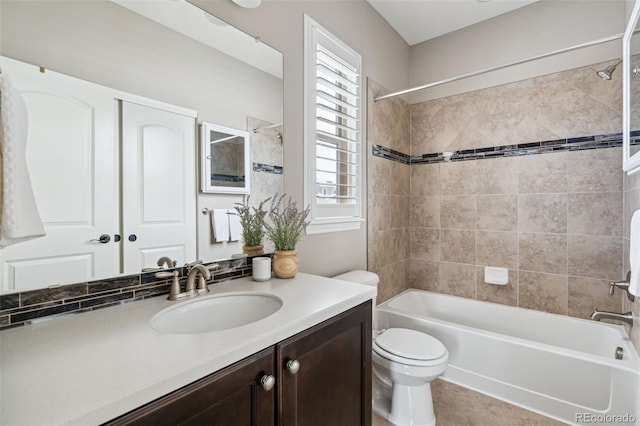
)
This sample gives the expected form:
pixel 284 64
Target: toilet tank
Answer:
pixel 359 277
pixel 366 278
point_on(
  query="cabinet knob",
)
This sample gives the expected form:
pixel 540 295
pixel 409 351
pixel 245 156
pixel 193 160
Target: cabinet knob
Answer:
pixel 293 366
pixel 267 382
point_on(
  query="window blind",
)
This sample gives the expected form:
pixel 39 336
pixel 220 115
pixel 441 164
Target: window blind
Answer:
pixel 337 135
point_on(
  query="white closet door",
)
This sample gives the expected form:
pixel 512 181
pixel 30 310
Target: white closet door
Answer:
pixel 158 186
pixel 71 157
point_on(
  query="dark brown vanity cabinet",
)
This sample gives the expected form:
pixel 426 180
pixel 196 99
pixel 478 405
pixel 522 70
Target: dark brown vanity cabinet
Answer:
pixel 232 396
pixel 325 373
pixel 321 376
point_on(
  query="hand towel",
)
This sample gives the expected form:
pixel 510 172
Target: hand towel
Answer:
pixel 20 219
pixel 634 254
pixel 219 225
pixel 235 226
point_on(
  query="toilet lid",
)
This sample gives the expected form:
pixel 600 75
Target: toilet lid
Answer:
pixel 410 344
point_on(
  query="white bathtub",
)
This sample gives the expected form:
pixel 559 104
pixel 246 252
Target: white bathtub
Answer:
pixel 558 366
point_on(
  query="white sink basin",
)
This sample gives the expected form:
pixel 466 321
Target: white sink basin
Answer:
pixel 215 313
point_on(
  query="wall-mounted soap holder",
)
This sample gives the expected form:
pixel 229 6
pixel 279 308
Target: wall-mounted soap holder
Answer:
pixel 624 285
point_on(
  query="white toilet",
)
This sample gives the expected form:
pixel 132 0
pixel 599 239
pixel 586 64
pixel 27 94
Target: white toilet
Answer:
pixel 405 362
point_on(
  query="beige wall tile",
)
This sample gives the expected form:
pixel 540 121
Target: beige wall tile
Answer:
pixel 388 212
pixel 387 247
pixel 425 275
pixel 596 170
pixel 424 212
pixel 595 256
pixel 543 292
pixel 585 293
pixel 497 212
pixel 458 246
pixel 545 213
pixel 497 249
pixel 425 243
pixel 631 204
pixel 425 180
pixel 543 253
pixel 458 211
pixel 543 174
pixel 388 122
pixel 498 176
pixel 394 279
pixel 458 279
pixel 458 178
pixel 597 213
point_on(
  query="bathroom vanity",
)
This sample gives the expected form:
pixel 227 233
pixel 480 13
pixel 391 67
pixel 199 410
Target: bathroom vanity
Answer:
pixel 308 363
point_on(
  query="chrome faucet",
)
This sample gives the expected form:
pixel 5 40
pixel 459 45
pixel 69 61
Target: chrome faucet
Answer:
pixel 165 260
pixel 597 315
pixel 203 274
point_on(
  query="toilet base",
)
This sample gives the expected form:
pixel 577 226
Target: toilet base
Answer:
pixel 409 406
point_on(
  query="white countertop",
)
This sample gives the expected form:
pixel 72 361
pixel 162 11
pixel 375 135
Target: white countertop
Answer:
pixel 87 368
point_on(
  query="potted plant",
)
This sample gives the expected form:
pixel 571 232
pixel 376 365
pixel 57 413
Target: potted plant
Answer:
pixel 253 231
pixel 287 223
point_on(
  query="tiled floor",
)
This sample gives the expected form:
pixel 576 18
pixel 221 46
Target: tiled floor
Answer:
pixel 458 406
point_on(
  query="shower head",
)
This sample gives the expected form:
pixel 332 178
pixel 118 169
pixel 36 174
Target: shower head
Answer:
pixel 605 74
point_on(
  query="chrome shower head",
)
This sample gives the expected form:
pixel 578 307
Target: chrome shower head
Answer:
pixel 605 74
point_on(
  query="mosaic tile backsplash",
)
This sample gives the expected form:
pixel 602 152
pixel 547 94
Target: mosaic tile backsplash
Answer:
pixel 18 309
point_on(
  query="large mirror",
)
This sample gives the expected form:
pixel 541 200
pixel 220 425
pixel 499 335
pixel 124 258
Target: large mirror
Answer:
pixel 166 55
pixel 631 92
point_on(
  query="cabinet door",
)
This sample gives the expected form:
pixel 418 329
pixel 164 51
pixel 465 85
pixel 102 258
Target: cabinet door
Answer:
pixel 230 397
pixel 333 383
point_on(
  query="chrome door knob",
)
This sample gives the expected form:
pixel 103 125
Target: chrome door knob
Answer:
pixel 293 366
pixel 267 382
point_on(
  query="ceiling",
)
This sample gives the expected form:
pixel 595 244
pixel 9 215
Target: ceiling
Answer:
pixel 420 20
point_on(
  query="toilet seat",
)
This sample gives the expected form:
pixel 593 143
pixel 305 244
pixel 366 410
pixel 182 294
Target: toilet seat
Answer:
pixel 409 347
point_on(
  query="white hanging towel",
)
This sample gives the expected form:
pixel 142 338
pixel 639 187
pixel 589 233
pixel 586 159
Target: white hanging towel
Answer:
pixel 20 219
pixel 219 225
pixel 235 226
pixel 634 254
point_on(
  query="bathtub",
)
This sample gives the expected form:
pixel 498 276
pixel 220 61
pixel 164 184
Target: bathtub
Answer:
pixel 557 366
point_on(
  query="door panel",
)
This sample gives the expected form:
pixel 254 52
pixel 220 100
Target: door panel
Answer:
pixel 159 186
pixel 71 156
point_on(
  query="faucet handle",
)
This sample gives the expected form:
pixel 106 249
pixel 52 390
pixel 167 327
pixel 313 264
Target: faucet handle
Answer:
pixel 163 275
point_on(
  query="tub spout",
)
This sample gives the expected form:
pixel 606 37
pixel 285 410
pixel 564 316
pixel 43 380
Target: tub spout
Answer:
pixel 597 315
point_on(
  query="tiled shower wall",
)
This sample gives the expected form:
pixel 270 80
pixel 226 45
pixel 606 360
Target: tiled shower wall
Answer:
pixel 554 220
pixel 388 194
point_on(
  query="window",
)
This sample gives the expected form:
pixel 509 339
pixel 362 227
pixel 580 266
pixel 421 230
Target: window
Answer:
pixel 333 146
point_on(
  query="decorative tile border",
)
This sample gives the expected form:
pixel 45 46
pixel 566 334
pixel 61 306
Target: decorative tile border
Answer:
pixel 531 148
pixel 18 309
pixel 390 154
pixel 267 168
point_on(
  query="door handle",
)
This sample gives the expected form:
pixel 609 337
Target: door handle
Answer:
pixel 104 239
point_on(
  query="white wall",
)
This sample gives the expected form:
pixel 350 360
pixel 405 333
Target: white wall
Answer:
pixel 541 27
pixel 385 58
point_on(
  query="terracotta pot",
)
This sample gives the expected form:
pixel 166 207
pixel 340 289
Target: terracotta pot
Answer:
pixel 253 250
pixel 285 263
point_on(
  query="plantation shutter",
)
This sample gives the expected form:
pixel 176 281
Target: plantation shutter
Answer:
pixel 334 127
